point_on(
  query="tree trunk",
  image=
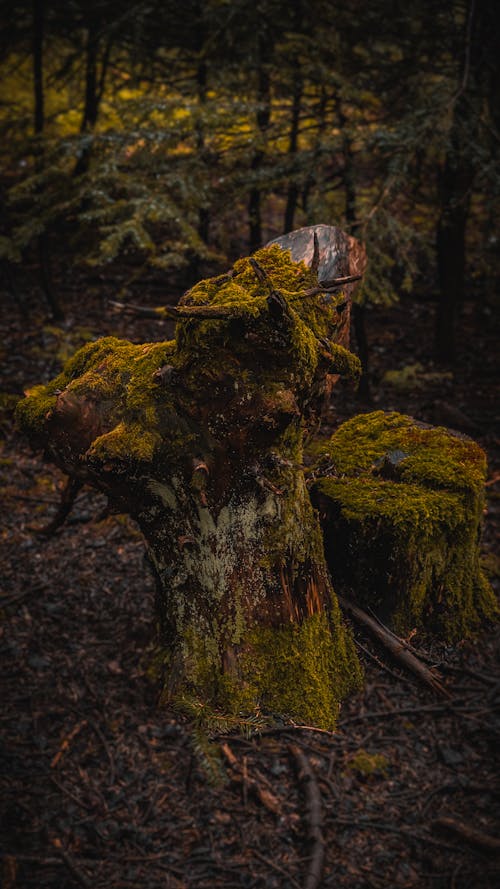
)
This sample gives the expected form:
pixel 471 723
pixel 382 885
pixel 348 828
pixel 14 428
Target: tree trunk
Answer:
pixel 358 308
pixel 200 440
pixel 293 188
pixel 95 81
pixel 455 183
pixel 456 177
pixel 39 126
pixel 263 118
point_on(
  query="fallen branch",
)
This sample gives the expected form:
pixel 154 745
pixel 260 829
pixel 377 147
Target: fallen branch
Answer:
pixel 314 817
pixel 469 834
pixel 397 647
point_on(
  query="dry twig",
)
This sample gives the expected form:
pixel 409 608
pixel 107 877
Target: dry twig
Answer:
pixel 469 834
pixel 268 799
pixel 314 817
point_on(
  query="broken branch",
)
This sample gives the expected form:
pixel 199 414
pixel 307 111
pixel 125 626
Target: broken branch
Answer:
pixel 397 647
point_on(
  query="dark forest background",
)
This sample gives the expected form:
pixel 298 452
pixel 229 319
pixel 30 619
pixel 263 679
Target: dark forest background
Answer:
pixel 160 140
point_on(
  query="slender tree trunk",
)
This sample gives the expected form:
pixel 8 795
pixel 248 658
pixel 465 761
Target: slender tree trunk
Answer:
pixel 263 118
pixel 38 38
pixel 293 188
pixel 39 126
pixel 456 177
pixel 321 117
pixel 455 185
pixel 95 82
pixel 201 83
pixel 358 308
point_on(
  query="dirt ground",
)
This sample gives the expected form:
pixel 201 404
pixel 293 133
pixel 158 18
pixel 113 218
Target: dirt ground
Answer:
pixel 102 788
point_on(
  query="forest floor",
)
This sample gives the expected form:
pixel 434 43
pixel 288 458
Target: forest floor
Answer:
pixel 100 787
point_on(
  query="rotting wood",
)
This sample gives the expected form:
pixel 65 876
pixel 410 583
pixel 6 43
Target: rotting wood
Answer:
pixel 200 439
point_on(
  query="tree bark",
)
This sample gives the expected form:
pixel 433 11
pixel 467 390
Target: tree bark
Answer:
pixel 358 308
pixel 263 118
pixel 200 440
pixel 95 81
pixel 39 126
pixel 293 188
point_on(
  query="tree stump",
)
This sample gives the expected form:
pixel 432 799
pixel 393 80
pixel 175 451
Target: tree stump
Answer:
pixel 401 507
pixel 200 440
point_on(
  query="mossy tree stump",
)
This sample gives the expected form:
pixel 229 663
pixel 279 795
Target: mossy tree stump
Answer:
pixel 200 440
pixel 401 508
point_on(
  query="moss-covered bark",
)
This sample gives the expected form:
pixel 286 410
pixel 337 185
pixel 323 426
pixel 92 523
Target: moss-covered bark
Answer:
pixel 200 440
pixel 401 507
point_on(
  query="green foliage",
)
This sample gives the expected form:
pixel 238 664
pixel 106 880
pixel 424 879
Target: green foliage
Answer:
pixel 170 158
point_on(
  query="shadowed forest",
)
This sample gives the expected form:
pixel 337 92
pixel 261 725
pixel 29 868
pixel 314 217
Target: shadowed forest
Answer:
pixel 145 147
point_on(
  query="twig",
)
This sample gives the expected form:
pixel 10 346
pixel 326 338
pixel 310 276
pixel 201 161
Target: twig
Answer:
pixel 222 312
pixel 265 796
pixel 377 660
pixel 402 711
pixel 70 794
pixel 262 275
pixel 474 674
pixel 180 313
pixel 469 834
pixel 396 647
pixel 421 655
pixel 93 725
pixel 288 729
pixel 276 867
pixel 69 861
pixel 314 816
pixel 66 743
pixel 368 824
pixel 36 588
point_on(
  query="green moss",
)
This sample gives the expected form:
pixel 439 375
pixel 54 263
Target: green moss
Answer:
pixel 301 672
pixel 431 457
pixel 368 763
pixel 120 377
pixel 309 320
pixel 402 528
